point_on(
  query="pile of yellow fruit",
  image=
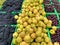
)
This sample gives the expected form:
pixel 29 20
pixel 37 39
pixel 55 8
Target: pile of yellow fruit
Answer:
pixel 32 25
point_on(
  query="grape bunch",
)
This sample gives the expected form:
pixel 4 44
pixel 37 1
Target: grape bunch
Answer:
pixel 54 19
pixel 49 8
pixel 6 31
pixel 57 7
pixel 12 5
pixel 56 36
pixel 31 25
pixel 55 2
pixel 46 2
pixel 6 34
pixel 7 19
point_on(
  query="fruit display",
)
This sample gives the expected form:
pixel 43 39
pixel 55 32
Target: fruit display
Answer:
pixel 12 5
pixel 46 2
pixel 54 19
pixel 52 11
pixel 32 24
pixel 8 7
pixel 55 2
pixel 57 8
pixel 52 31
pixel 49 8
pixel 6 34
pixel 29 22
pixel 56 37
pixel 7 19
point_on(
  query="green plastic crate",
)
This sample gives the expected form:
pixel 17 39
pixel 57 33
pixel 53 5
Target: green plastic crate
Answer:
pixel 54 13
pixel 4 13
pixel 8 25
pixel 13 13
pixel 46 28
pixel 57 1
pixel 49 13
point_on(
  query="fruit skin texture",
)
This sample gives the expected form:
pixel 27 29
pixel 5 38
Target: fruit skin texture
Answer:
pixel 33 35
pixel 19 39
pixel 25 24
pixel 38 39
pixel 31 30
pixel 38 43
pixel 27 38
pixel 22 34
pixel 38 33
pixel 33 43
pixel 19 30
pixel 47 39
pixel 49 25
pixel 41 1
pixel 45 20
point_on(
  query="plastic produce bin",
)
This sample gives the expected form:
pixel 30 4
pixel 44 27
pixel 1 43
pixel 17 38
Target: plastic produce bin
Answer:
pixel 5 22
pixel 6 34
pixel 57 14
pixel 48 33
